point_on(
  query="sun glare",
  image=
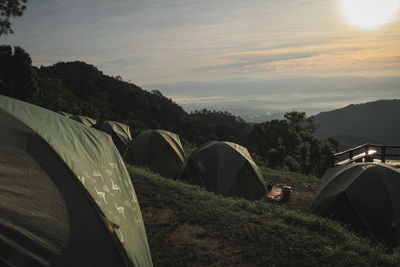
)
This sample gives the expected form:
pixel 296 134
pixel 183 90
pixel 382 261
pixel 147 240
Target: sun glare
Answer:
pixel 369 14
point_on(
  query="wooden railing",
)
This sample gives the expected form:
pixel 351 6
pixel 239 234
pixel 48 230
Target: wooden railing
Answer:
pixel 366 153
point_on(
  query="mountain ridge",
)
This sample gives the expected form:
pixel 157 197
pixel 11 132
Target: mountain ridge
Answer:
pixel 356 124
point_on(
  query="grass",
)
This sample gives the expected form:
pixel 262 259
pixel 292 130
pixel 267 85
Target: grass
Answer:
pixel 296 180
pixel 188 226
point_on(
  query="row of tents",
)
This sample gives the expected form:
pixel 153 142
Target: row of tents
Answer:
pixel 66 198
pixel 119 131
pixel 363 196
pixel 222 167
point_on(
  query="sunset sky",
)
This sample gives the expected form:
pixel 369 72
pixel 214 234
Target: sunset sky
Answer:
pixel 167 42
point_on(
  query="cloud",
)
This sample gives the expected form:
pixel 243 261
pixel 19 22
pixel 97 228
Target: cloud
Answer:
pixel 248 60
pixel 155 41
pixel 193 99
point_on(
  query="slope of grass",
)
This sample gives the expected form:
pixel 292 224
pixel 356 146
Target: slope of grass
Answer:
pixel 188 226
pixel 297 180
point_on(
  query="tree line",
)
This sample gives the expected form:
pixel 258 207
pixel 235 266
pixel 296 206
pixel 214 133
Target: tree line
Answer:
pixel 80 88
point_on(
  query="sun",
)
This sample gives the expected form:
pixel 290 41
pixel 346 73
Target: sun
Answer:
pixel 369 14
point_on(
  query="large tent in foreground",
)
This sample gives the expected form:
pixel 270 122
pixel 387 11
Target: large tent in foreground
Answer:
pixel 119 132
pixel 363 195
pixel 159 150
pixel 66 198
pixel 224 168
pixel 84 120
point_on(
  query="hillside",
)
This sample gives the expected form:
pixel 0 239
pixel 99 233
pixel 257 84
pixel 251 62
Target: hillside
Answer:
pixel 187 226
pixel 104 97
pixel 354 125
pixel 347 141
pixel 88 91
pixel 81 89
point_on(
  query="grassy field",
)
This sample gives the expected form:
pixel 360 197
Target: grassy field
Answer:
pixel 294 179
pixel 188 226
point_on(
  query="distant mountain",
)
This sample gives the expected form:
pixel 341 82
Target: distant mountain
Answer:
pixel 372 122
pixel 348 141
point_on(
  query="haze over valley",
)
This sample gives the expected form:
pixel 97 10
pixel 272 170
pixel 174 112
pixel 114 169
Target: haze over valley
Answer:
pixel 257 100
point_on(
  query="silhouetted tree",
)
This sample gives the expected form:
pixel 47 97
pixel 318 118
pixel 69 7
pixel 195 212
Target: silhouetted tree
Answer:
pixel 18 78
pixel 206 125
pixel 289 143
pixel 10 8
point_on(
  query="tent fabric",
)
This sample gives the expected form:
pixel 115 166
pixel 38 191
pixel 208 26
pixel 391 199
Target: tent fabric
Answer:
pixel 119 132
pixel 224 168
pixel 84 120
pixel 66 114
pixel 45 221
pixel 364 196
pixel 159 150
pixel 61 185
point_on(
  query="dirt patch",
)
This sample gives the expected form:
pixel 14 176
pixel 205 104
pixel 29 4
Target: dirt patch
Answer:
pixel 298 199
pixel 158 216
pixel 301 200
pixel 302 196
pixel 204 245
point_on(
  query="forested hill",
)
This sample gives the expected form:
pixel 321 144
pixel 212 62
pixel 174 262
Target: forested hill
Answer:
pixel 82 89
pixel 377 121
pixel 104 97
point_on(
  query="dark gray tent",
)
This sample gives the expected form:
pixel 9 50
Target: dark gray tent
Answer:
pixel 84 120
pixel 66 198
pixel 160 150
pixel 224 168
pixel 120 134
pixel 363 195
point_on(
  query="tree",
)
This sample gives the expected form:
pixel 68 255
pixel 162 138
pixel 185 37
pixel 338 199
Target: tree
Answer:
pixel 206 125
pixel 10 8
pixel 18 78
pixel 300 122
pixel 289 143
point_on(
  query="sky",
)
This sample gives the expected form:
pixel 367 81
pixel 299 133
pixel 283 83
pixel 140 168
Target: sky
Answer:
pixel 262 56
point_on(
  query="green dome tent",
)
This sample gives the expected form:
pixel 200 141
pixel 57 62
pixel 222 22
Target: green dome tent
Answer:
pixel 364 196
pixel 66 198
pixel 84 120
pixel 120 134
pixel 224 168
pixel 160 150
